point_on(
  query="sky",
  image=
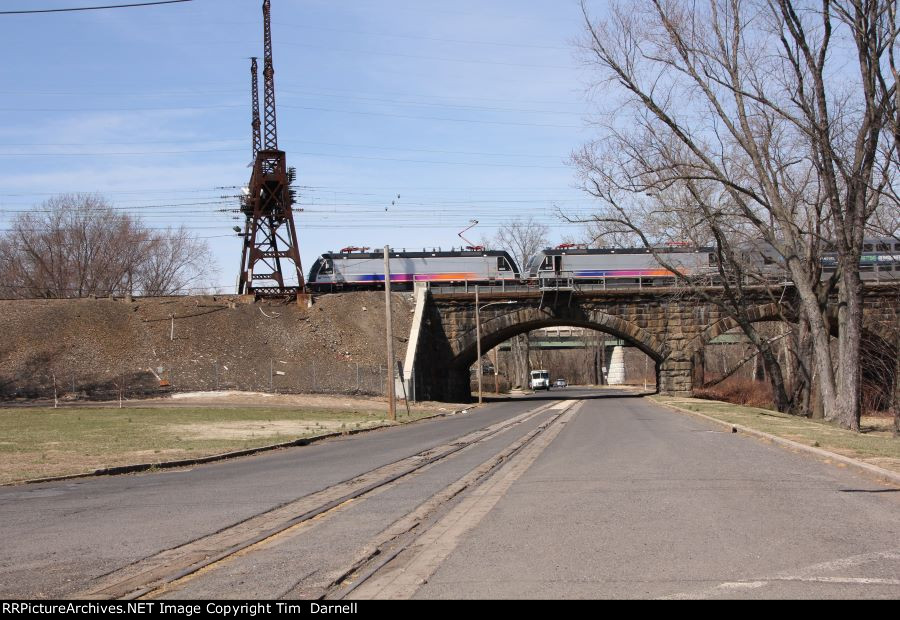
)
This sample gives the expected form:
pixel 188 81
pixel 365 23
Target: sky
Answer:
pixel 465 110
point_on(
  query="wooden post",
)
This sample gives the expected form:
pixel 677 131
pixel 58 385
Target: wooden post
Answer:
pixel 389 335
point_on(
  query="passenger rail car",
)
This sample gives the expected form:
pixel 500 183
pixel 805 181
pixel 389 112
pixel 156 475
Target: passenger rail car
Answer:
pixel 879 261
pixel 365 270
pixel 618 267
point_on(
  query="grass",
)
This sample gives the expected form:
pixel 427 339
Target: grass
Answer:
pixel 874 445
pixel 43 442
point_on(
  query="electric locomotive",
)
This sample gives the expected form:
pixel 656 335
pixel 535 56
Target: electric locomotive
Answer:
pixel 356 268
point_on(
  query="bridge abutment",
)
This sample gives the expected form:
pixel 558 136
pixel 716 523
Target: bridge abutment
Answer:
pixel 674 377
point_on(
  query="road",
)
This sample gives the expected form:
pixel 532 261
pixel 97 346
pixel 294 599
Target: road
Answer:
pixel 570 494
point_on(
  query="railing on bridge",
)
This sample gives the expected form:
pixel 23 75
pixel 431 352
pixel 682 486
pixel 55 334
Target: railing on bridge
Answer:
pixel 567 282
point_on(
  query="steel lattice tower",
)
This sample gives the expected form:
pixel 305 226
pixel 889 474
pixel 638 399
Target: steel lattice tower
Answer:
pixel 270 250
pixel 254 93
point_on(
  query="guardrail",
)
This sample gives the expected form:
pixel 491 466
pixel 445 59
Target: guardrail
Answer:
pixel 567 282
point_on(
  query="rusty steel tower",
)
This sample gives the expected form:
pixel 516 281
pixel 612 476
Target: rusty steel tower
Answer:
pixel 254 95
pixel 271 254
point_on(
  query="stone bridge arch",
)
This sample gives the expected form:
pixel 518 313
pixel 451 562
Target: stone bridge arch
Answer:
pixel 501 326
pixel 671 326
pixel 761 313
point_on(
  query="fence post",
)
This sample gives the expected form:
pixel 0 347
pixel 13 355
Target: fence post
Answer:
pixel 271 374
pixel 357 377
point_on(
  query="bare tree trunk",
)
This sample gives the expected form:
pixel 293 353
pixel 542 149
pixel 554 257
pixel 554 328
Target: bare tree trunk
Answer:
pixel 895 393
pixel 820 339
pixel 801 385
pixel 699 367
pixel 849 339
pixel 759 370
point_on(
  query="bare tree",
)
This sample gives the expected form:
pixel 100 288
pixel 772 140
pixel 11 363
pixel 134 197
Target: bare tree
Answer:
pixel 79 245
pixel 523 239
pixel 175 262
pixel 778 117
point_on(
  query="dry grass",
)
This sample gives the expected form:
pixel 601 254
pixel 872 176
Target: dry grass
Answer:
pixel 875 444
pixel 41 442
pixel 740 391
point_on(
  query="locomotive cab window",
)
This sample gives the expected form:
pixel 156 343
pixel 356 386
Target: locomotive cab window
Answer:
pixel 326 267
pixel 502 264
pixel 547 265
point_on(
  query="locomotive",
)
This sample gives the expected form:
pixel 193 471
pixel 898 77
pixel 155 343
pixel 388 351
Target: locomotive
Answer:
pixel 358 268
pixel 355 268
pixel 619 267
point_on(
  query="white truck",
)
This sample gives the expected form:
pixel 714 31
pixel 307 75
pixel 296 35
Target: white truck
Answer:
pixel 540 380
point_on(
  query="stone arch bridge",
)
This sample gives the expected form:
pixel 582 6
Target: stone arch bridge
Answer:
pixel 671 326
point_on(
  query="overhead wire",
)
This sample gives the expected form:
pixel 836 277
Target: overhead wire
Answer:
pixel 93 8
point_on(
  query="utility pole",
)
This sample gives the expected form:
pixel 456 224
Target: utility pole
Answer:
pixel 392 404
pixel 496 369
pixel 478 343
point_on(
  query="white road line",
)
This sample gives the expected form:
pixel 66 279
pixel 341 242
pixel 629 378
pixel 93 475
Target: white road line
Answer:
pixel 807 575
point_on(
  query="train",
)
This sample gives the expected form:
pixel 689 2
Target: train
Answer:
pixel 357 268
pixel 619 267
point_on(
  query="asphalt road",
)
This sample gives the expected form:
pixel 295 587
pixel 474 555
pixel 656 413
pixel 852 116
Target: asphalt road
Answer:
pixel 632 500
pixel 58 536
pixel 627 500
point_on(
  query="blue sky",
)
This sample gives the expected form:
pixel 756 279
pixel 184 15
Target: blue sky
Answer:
pixel 467 110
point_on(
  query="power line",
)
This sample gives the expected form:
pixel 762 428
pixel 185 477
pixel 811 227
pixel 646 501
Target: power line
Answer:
pixel 367 53
pixel 319 27
pixel 93 8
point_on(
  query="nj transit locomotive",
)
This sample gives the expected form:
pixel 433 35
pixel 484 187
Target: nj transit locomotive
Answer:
pixel 357 268
pixel 618 267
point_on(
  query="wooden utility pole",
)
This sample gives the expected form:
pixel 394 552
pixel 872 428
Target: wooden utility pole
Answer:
pixel 496 383
pixel 478 344
pixel 392 404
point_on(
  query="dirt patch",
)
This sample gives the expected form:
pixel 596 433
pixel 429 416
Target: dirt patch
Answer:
pixel 274 428
pixel 304 401
pixel 98 348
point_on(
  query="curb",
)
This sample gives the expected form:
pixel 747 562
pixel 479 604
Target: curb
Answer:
pixel 880 472
pixel 200 460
